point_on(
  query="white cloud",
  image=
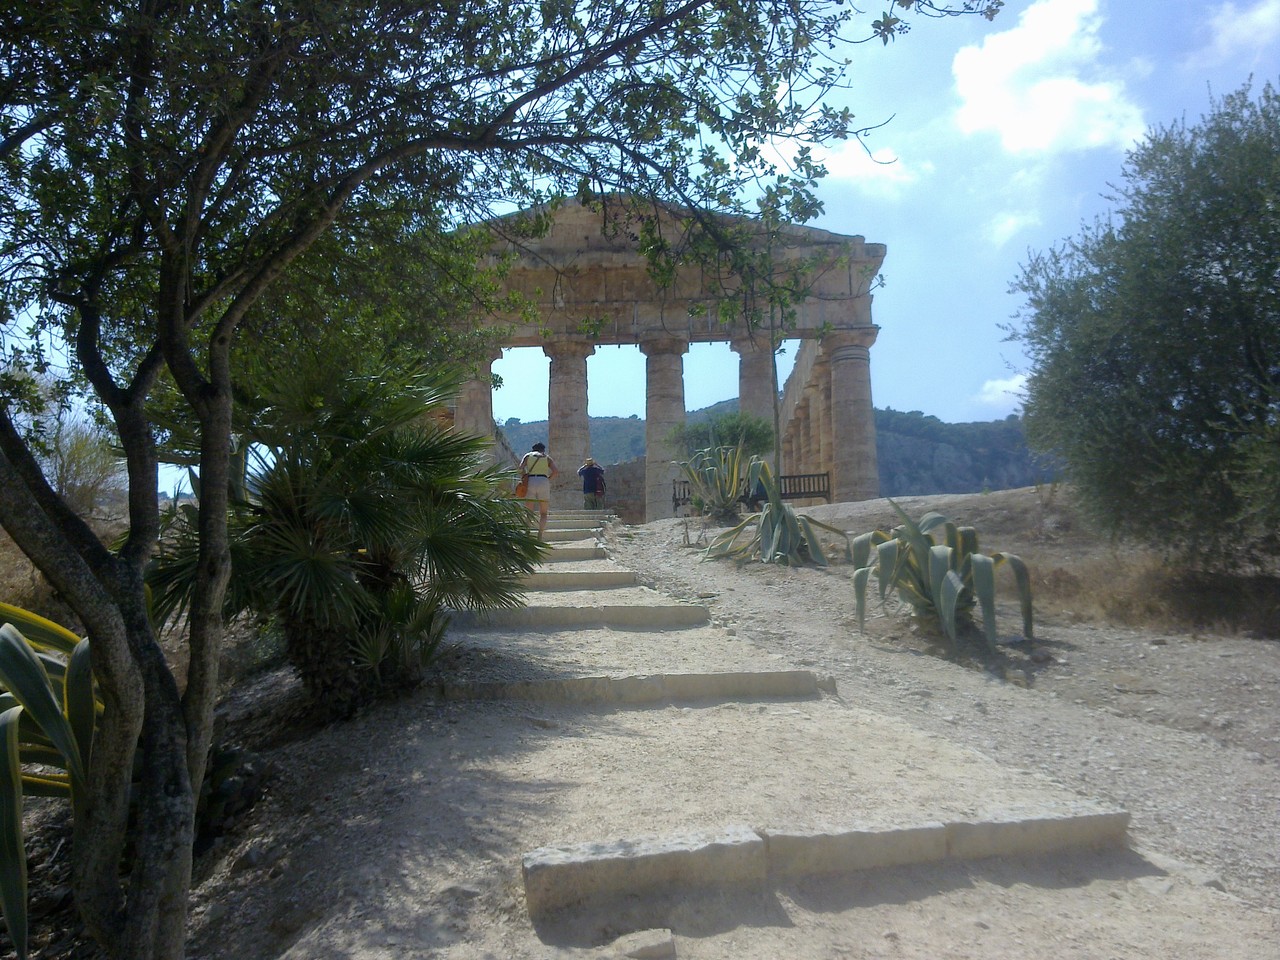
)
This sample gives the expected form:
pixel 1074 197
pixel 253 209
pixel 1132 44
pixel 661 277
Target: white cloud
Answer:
pixel 881 173
pixel 1041 86
pixel 1236 33
pixel 1004 227
pixel 1006 394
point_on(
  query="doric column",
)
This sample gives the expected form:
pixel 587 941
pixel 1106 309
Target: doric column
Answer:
pixel 853 425
pixel 664 411
pixel 755 375
pixel 821 407
pixel 568 429
pixel 804 438
pixel 789 458
pixel 473 413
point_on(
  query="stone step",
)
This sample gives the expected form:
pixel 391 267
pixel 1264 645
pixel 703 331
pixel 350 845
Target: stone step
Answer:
pixel 561 579
pixel 558 521
pixel 846 790
pixel 542 615
pixel 571 534
pixel 574 551
pixel 646 690
pixel 738 856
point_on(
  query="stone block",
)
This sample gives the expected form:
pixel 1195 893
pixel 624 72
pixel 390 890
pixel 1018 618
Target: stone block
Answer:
pixel 645 945
pixel 634 690
pixel 742 685
pixel 1017 836
pixel 556 877
pixel 793 854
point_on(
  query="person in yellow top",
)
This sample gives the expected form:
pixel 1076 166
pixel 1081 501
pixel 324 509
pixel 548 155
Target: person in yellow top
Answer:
pixel 539 469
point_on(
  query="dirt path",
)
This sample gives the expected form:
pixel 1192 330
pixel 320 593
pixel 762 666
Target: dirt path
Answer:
pixel 400 834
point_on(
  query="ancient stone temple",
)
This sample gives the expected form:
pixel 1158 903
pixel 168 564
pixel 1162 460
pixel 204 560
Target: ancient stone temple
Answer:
pixel 593 287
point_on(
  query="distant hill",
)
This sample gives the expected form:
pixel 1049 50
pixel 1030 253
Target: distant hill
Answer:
pixel 917 454
pixel 613 439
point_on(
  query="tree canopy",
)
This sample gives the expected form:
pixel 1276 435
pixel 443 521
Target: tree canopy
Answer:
pixel 164 165
pixel 1155 340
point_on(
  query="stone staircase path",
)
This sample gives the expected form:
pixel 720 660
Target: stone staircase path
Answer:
pixel 719 766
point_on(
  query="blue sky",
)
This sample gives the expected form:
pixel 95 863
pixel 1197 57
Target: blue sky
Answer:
pixel 1002 138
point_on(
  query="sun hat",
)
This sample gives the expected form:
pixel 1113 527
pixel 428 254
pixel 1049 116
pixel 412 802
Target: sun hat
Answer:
pixel 587 461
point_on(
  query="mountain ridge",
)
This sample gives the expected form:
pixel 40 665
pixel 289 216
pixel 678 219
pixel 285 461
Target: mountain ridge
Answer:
pixel 916 454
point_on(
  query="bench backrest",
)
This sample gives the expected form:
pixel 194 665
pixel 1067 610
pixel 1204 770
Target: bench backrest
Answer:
pixel 791 486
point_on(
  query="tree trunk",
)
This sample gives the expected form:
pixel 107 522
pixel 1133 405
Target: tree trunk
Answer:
pixel 331 679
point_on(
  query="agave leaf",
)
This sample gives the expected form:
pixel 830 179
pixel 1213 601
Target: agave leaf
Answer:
pixel 948 593
pixel 81 706
pixel 931 521
pixel 22 673
pixel 13 855
pixel 983 570
pixel 48 756
pixel 968 542
pixel 887 565
pixel 1022 576
pixel 939 566
pixel 810 523
pixel 795 533
pixel 952 539
pixel 918 543
pixel 814 545
pixel 863 544
pixel 860 577
pixel 723 543
pixel 53 785
pixel 40 633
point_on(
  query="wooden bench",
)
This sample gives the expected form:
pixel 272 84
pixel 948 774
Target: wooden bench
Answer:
pixel 791 486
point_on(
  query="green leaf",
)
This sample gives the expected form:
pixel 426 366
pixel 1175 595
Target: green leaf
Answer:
pixel 22 674
pixel 1022 576
pixel 983 570
pixel 860 577
pixel 39 632
pixel 939 567
pixel 948 594
pixel 13 855
pixel 79 703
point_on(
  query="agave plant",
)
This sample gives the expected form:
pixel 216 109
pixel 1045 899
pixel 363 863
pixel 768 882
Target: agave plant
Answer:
pixel 717 477
pixel 943 580
pixel 48 713
pixel 777 534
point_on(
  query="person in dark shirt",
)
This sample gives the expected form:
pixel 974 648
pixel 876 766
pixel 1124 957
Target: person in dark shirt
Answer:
pixel 592 475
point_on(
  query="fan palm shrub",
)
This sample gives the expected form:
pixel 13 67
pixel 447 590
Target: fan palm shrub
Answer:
pixel 777 534
pixel 48 712
pixel 938 580
pixel 362 521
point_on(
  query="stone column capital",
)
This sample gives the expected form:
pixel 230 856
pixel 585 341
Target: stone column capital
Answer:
pixel 747 343
pixel 569 349
pixel 849 342
pixel 655 346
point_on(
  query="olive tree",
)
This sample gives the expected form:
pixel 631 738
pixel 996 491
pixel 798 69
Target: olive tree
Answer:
pixel 1154 337
pixel 162 165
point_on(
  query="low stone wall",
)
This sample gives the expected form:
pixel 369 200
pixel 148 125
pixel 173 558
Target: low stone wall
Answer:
pixel 624 493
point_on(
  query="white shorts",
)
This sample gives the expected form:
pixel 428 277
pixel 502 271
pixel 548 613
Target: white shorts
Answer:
pixel 539 489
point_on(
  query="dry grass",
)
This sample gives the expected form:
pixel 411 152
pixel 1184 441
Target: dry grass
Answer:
pixel 1078 573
